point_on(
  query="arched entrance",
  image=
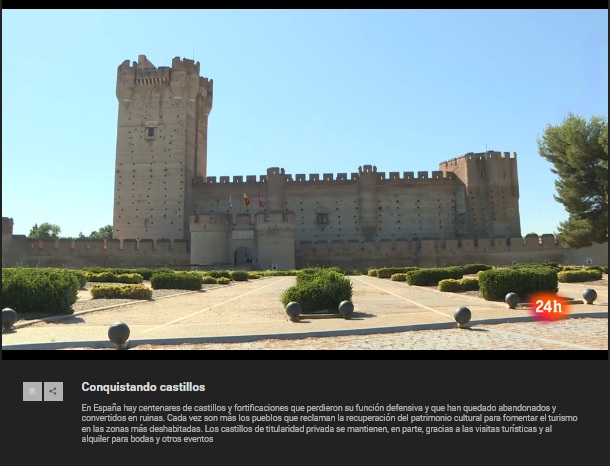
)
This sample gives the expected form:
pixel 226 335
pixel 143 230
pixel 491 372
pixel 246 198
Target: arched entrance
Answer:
pixel 242 257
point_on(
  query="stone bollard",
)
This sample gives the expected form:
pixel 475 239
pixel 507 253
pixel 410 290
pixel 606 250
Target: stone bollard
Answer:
pixel 9 317
pixel 462 316
pixel 512 299
pixel 118 333
pixel 589 295
pixel 293 309
pixel 346 309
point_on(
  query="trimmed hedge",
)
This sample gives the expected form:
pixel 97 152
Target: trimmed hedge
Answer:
pixel 582 275
pixel 387 272
pixel 176 281
pixel 318 289
pixel 471 269
pixel 429 277
pixel 111 277
pixel 145 272
pixel 47 290
pixel 495 284
pixel 135 291
pixel 239 275
pixel 453 286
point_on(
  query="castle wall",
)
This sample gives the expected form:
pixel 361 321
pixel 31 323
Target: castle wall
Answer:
pixel 273 242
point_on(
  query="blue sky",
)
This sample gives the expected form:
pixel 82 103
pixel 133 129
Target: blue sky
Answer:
pixel 312 91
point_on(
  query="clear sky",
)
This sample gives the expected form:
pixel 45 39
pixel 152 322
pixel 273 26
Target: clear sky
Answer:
pixel 312 91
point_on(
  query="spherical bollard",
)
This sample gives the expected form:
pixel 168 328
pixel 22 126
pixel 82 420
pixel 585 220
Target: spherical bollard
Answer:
pixel 293 309
pixel 346 308
pixel 589 295
pixel 118 333
pixel 462 316
pixel 9 317
pixel 512 299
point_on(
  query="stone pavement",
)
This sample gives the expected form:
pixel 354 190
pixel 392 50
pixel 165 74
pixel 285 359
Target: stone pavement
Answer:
pixel 387 315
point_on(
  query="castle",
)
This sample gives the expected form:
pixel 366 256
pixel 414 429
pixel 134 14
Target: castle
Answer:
pixel 169 212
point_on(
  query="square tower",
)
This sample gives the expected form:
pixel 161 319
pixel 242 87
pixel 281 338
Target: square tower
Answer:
pixel 161 146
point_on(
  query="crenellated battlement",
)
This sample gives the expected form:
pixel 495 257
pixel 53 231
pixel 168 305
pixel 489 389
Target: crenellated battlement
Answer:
pixel 436 175
pixel 489 155
pixel 190 66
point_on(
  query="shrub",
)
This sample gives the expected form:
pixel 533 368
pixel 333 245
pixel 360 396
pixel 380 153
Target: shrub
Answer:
pixel 495 284
pixel 176 281
pixel 319 289
pixel 387 272
pixel 453 286
pixel 449 285
pixel 80 275
pixel 398 277
pixel 469 284
pixel 208 280
pixel 471 269
pixel 223 280
pixel 534 265
pixel 239 275
pixel 111 277
pixel 219 273
pixel 372 272
pixel 429 277
pixel 582 275
pixel 253 275
pixel 599 268
pixel 136 291
pixel 48 290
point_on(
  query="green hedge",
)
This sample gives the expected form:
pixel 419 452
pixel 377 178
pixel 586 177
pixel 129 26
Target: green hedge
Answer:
pixel 48 290
pixel 318 289
pixel 117 291
pixel 176 281
pixel 471 269
pixel 145 272
pixel 497 283
pixel 582 275
pixel 111 277
pixel 454 286
pixel 239 275
pixel 429 277
pixel 387 272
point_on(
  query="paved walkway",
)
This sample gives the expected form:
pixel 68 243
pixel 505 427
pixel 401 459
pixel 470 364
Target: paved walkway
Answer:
pixel 387 315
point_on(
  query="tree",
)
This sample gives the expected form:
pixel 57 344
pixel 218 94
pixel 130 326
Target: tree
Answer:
pixel 45 232
pixel 578 151
pixel 102 233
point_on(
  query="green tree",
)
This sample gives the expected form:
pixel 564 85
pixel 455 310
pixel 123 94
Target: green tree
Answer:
pixel 45 232
pixel 102 233
pixel 578 150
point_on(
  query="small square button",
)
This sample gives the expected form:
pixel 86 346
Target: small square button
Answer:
pixel 32 391
pixel 53 391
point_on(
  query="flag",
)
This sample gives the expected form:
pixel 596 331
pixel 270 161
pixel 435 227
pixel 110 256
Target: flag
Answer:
pixel 230 203
pixel 246 200
pixel 261 203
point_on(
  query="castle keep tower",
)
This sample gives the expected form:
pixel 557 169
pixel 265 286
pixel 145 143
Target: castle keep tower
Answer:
pixel 161 146
pixel 490 193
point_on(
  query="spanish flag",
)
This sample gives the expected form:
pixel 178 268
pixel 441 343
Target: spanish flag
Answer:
pixel 246 200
